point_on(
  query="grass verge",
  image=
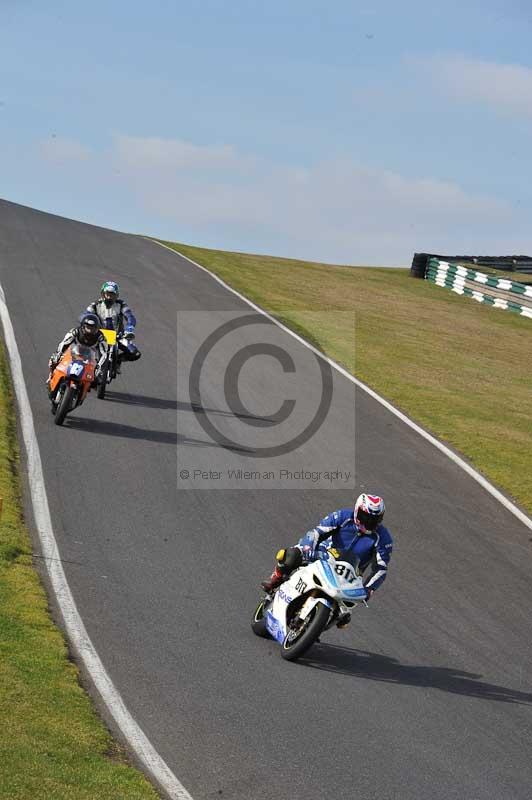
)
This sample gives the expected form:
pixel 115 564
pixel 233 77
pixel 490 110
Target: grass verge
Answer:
pixel 52 745
pixel 460 369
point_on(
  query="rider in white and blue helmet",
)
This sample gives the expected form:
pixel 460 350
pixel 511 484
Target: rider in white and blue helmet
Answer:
pixel 357 531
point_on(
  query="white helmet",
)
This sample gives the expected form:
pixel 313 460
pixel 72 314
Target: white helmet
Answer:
pixel 369 511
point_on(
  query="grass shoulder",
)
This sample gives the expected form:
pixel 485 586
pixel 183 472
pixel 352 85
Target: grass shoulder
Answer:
pixel 52 745
pixel 460 369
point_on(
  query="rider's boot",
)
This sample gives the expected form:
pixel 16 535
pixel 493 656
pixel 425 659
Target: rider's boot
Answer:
pixel 275 580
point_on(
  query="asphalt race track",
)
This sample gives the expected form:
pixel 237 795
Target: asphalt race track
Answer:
pixel 428 694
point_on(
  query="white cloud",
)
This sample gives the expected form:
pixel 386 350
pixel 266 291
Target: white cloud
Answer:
pixel 334 210
pixel 175 154
pixel 58 150
pixel 503 87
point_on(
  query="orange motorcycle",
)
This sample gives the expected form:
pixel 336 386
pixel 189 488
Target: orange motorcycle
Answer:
pixel 71 380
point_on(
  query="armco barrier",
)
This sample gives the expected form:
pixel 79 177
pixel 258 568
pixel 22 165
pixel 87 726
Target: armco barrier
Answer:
pixel 498 292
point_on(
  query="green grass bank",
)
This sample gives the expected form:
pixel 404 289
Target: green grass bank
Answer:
pixel 460 369
pixel 52 745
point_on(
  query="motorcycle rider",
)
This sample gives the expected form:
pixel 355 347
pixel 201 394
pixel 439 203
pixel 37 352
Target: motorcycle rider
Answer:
pixel 359 531
pixel 115 314
pixel 87 333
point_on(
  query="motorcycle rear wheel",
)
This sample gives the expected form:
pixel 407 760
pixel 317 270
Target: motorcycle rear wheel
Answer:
pixel 64 405
pixel 258 623
pixel 296 644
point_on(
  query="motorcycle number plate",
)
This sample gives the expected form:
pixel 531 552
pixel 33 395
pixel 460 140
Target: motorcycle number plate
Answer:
pixel 76 369
pixel 109 335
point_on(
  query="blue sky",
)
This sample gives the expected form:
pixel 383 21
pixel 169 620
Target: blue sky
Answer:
pixel 340 131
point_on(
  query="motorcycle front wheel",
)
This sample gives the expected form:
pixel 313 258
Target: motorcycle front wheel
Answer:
pixel 297 641
pixel 64 405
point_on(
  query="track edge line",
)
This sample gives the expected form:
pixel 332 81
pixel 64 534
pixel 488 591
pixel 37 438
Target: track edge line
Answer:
pixel 473 473
pixel 75 629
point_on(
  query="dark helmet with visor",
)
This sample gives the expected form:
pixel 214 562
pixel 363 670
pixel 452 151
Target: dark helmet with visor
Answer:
pixel 89 329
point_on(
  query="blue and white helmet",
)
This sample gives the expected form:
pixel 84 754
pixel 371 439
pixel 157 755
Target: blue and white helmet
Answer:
pixel 369 511
pixel 110 292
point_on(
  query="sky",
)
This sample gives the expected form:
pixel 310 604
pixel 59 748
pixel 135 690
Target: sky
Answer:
pixel 345 132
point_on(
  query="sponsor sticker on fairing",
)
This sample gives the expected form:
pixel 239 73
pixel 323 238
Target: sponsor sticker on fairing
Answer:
pixel 284 596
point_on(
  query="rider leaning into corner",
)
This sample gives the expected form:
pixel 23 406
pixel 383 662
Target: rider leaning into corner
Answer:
pixel 358 531
pixel 115 314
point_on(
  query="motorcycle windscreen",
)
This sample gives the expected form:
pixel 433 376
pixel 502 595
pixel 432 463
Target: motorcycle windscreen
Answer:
pixel 345 555
pixel 83 353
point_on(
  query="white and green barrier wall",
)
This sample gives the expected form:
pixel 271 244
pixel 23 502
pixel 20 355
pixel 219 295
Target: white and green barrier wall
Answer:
pixel 510 295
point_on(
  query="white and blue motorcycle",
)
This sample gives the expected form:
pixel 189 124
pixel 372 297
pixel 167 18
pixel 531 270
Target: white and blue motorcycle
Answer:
pixel 314 598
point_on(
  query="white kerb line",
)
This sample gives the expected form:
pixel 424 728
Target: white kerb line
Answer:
pixel 521 516
pixel 74 626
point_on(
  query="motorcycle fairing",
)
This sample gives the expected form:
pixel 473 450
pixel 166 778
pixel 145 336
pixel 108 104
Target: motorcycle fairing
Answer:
pixel 110 336
pixel 75 369
pixel 358 592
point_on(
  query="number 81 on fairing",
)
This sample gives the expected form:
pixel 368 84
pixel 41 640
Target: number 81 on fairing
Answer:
pixel 345 572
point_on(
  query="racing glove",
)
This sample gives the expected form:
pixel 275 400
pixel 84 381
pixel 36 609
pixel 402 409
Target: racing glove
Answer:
pixel 307 552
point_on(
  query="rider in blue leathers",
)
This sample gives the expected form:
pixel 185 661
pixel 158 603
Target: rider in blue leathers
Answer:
pixel 358 531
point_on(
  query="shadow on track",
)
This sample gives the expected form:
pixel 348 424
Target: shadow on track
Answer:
pixel 130 432
pixel 141 400
pixel 178 405
pixel 376 667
